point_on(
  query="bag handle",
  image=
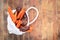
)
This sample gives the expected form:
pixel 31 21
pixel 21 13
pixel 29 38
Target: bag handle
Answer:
pixel 28 16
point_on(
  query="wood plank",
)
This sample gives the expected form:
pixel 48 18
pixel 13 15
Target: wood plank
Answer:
pixel 1 21
pixel 58 18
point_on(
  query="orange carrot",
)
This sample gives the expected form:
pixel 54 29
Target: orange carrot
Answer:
pixel 15 14
pixel 19 24
pixel 21 13
pixel 13 17
pixel 29 29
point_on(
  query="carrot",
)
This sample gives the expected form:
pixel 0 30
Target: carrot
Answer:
pixel 13 17
pixel 15 14
pixel 21 13
pixel 29 29
pixel 19 23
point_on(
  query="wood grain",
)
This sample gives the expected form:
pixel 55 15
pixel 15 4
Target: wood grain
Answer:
pixel 46 27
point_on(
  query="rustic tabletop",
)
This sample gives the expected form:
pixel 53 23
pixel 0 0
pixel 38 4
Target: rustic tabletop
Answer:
pixel 46 27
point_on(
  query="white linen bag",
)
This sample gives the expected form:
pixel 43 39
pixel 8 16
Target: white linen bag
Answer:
pixel 12 29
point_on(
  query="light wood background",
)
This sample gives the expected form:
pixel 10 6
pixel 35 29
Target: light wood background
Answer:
pixel 46 27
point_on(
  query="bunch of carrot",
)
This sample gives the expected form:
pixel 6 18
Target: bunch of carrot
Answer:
pixel 14 18
pixel 20 16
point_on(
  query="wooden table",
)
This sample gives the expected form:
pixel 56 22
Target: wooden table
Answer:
pixel 46 27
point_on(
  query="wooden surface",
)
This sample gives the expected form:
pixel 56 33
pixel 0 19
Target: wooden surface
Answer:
pixel 46 27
